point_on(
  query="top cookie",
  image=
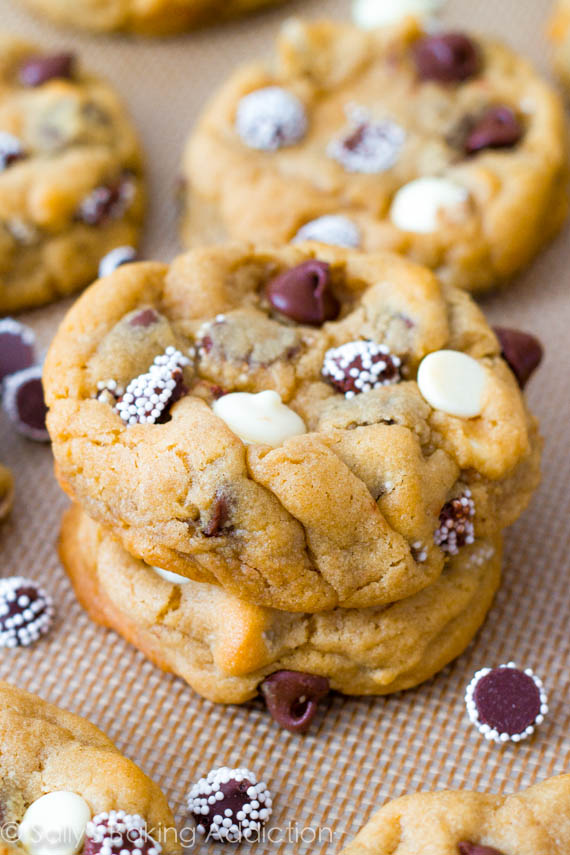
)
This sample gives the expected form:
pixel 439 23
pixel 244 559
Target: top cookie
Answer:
pixel 70 175
pixel 534 822
pixel 45 750
pixel 355 489
pixel 446 148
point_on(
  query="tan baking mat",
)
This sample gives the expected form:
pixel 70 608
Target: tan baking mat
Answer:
pixel 360 751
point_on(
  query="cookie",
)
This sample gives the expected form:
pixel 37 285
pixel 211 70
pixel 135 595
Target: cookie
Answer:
pixel 534 821
pixel 161 18
pixel 225 647
pixel 6 491
pixel 63 780
pixel 446 148
pixel 71 186
pixel 559 34
pixel 308 427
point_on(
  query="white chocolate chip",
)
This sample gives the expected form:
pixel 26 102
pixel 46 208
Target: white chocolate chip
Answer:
pixel 169 576
pixel 261 418
pixel 453 382
pixel 55 824
pixel 368 14
pixel 332 229
pixel 422 205
pixel 271 118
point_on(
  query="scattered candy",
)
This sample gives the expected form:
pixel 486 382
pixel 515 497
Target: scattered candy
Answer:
pixel 455 524
pixel 332 229
pixel 498 127
pixel 453 382
pixel 26 612
pixel 17 347
pixel 304 294
pixel 23 401
pixel 371 146
pixel 521 351
pixel 10 150
pixel 148 397
pixel 39 69
pixel 117 257
pixel 360 366
pixel 425 204
pixel 118 833
pixel 466 848
pixel 369 14
pixel 229 805
pixel 107 202
pixel 55 824
pixel 447 58
pixel 506 703
pixel 262 418
pixel 271 118
pixel 292 698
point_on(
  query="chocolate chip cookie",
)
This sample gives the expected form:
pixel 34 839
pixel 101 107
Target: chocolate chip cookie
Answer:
pixel 559 34
pixel 64 787
pixel 160 18
pixel 71 185
pixel 444 147
pixel 225 648
pixel 534 821
pixel 308 427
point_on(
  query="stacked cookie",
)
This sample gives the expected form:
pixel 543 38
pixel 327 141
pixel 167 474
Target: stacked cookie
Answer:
pixel 291 467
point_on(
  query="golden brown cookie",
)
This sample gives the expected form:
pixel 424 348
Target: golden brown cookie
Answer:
pixel 46 750
pixel 446 148
pixel 6 491
pixel 533 822
pixel 159 18
pixel 224 647
pixel 300 464
pixel 71 186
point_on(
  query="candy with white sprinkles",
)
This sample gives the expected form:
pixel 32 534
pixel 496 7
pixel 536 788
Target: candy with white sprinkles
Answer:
pixel 332 229
pixel 148 397
pixel 26 612
pixel 271 118
pixel 360 366
pixel 118 833
pixel 369 146
pixel 506 703
pixel 455 524
pixel 229 805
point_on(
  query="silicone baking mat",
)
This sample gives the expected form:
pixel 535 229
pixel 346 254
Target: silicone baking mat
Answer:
pixel 359 752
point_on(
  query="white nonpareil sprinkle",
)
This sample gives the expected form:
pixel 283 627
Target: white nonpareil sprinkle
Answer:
pixel 271 118
pixel 332 229
pixel 147 396
pixel 207 801
pixel 370 145
pixel 26 612
pixel 117 831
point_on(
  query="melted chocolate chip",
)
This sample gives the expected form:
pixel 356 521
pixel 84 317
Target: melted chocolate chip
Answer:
pixel 467 848
pixel 218 518
pixel 498 127
pixel 507 699
pixel 39 69
pixel 292 698
pixel 447 58
pixel 146 318
pixel 304 294
pixel 522 352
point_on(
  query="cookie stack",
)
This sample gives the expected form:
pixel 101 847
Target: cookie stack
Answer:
pixel 291 467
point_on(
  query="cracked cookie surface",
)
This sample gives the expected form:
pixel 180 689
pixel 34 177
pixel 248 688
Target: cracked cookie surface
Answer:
pixel 490 150
pixel 71 185
pixel 225 647
pixel 345 512
pixel 534 821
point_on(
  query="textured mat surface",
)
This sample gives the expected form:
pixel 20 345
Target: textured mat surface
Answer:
pixel 361 752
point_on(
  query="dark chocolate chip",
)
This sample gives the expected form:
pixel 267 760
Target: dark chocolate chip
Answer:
pixel 39 69
pixel 292 698
pixel 467 848
pixel 218 518
pixel 304 294
pixel 23 401
pixel 146 318
pixel 507 699
pixel 498 127
pixel 17 347
pixel 447 58
pixel 522 351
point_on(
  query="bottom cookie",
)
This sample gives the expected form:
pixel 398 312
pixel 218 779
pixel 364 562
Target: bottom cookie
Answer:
pixel 534 822
pixel 64 786
pixel 225 648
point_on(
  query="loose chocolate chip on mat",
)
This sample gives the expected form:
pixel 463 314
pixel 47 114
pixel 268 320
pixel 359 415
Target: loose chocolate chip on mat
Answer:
pixel 506 703
pixel 304 294
pixel 23 401
pixel 522 351
pixel 292 698
pixel 115 832
pixel 26 612
pixel 17 347
pixel 229 805
pixel 467 848
pixel 39 69
pixel 498 127
pixel 447 58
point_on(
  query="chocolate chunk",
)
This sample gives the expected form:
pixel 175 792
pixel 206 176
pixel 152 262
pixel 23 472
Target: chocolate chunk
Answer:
pixel 24 403
pixel 498 127
pixel 304 294
pixel 17 347
pixel 447 58
pixel 39 69
pixel 145 319
pixel 218 518
pixel 292 698
pixel 467 848
pixel 522 351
